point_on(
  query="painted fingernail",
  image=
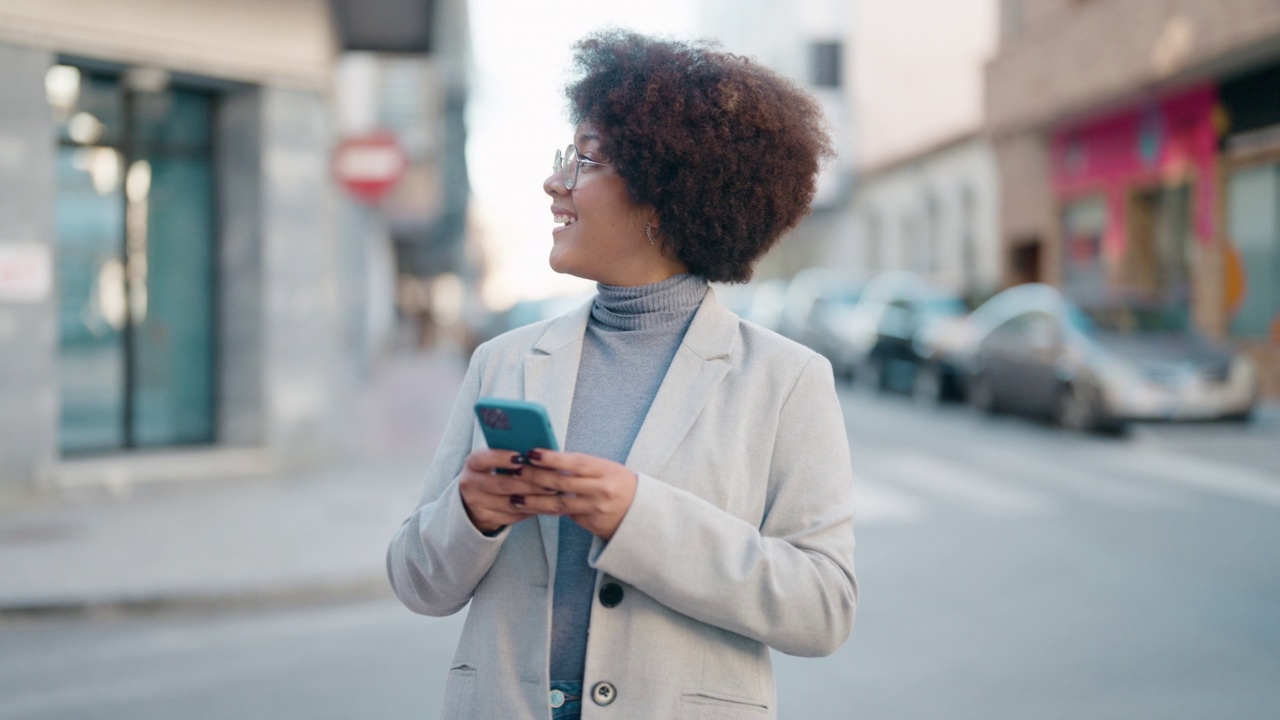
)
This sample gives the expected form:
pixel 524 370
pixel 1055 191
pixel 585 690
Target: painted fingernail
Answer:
pixel 517 459
pixel 517 500
pixel 535 455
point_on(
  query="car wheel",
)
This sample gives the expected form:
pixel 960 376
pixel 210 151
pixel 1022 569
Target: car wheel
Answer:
pixel 982 394
pixel 872 373
pixel 1076 410
pixel 1240 417
pixel 926 386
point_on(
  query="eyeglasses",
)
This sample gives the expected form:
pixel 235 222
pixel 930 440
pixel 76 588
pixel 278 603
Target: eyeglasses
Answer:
pixel 569 156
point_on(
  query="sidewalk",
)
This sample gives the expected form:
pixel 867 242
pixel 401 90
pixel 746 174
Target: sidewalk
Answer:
pixel 311 535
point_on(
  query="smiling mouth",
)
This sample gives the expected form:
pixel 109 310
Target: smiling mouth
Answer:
pixel 565 220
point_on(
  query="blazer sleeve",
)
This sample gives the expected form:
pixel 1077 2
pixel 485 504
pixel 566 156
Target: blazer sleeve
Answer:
pixel 790 582
pixel 437 557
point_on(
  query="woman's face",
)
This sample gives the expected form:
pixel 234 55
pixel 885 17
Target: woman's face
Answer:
pixel 600 230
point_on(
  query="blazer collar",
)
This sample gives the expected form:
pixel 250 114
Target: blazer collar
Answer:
pixel 550 374
pixel 699 364
pixel 701 361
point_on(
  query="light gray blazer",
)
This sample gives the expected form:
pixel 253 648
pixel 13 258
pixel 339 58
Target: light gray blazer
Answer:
pixel 740 536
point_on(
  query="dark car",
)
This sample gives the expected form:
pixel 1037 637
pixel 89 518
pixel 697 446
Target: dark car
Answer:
pixel 877 340
pixel 1034 352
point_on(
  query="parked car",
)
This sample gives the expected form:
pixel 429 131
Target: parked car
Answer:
pixel 877 340
pixel 526 312
pixel 758 301
pixel 796 315
pixel 1099 367
pixel 815 305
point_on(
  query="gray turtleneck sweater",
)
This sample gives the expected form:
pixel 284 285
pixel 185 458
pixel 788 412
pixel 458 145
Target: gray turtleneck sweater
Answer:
pixel 630 340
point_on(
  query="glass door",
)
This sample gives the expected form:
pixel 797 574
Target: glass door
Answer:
pixel 135 264
pixel 1253 225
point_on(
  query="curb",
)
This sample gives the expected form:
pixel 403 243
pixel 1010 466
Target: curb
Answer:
pixel 293 596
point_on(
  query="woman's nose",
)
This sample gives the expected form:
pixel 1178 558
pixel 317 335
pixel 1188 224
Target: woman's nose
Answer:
pixel 554 184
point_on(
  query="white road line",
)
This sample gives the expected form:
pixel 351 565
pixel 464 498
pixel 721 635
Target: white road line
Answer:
pixel 1208 476
pixel 954 481
pixel 1088 484
pixel 875 503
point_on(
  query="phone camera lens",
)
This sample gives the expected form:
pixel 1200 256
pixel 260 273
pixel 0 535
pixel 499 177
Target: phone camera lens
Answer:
pixel 495 418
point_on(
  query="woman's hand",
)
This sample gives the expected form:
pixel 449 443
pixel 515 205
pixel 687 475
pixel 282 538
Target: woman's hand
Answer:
pixel 492 499
pixel 593 492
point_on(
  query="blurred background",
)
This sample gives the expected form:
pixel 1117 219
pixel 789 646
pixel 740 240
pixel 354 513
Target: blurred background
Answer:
pixel 247 246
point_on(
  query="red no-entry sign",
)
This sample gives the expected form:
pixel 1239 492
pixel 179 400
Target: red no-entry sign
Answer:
pixel 369 166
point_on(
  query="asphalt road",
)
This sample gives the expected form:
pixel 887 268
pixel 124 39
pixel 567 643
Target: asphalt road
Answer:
pixel 1008 570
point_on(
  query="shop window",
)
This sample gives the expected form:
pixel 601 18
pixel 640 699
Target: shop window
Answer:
pixel 824 64
pixel 135 262
pixel 872 242
pixel 1084 223
pixel 1010 18
pixel 1253 229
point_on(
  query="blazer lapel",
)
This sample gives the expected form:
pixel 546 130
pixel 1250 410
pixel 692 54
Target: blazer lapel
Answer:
pixel 697 368
pixel 550 374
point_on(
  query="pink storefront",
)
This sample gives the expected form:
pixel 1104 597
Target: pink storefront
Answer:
pixel 1137 192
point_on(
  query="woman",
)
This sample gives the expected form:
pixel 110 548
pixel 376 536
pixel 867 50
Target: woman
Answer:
pixel 702 510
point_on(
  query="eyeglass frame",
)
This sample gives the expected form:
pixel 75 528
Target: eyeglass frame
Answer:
pixel 562 161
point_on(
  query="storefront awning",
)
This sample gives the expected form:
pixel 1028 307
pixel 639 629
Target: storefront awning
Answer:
pixel 392 26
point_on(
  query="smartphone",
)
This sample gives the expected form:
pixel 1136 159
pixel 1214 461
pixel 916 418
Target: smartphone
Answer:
pixel 515 425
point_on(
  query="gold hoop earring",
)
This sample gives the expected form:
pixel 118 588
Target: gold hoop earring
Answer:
pixel 650 233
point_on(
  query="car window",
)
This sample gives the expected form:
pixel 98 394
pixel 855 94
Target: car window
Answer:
pixel 1124 319
pixel 941 307
pixel 1022 332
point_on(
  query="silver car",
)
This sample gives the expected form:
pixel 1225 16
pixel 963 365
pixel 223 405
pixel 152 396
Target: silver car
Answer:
pixel 1032 351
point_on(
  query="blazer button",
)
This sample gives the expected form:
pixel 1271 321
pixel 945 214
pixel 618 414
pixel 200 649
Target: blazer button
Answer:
pixel 604 693
pixel 610 594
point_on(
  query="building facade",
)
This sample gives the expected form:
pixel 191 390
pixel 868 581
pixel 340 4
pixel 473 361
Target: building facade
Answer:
pixel 926 197
pixel 808 42
pixel 934 213
pixel 170 274
pixel 1138 144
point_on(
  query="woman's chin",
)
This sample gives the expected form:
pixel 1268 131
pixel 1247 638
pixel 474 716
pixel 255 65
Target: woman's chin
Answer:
pixel 561 261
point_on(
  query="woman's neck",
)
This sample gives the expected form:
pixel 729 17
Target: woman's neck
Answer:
pixel 668 302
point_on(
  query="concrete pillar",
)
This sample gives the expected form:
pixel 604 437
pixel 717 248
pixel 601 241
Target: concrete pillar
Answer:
pixel 28 303
pixel 285 374
pixel 307 383
pixel 241 403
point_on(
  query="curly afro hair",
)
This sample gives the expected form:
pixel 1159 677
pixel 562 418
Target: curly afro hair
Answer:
pixel 725 150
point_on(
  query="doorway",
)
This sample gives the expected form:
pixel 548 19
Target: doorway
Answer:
pixel 1024 261
pixel 135 263
pixel 1155 267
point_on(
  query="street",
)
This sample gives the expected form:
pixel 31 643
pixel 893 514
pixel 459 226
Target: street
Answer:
pixel 1008 570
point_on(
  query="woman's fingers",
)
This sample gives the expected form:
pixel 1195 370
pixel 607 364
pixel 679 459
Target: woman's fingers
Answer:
pixel 558 504
pixel 515 485
pixel 572 463
pixel 488 460
pixel 558 482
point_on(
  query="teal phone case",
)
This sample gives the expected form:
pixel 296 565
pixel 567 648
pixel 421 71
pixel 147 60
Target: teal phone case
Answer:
pixel 515 425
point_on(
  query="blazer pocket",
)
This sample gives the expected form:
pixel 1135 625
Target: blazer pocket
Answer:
pixel 460 691
pixel 723 706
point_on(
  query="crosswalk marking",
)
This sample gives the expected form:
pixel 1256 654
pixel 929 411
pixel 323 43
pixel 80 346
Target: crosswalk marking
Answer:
pixel 900 485
pixel 875 502
pixel 958 483
pixel 1087 484
pixel 1212 477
